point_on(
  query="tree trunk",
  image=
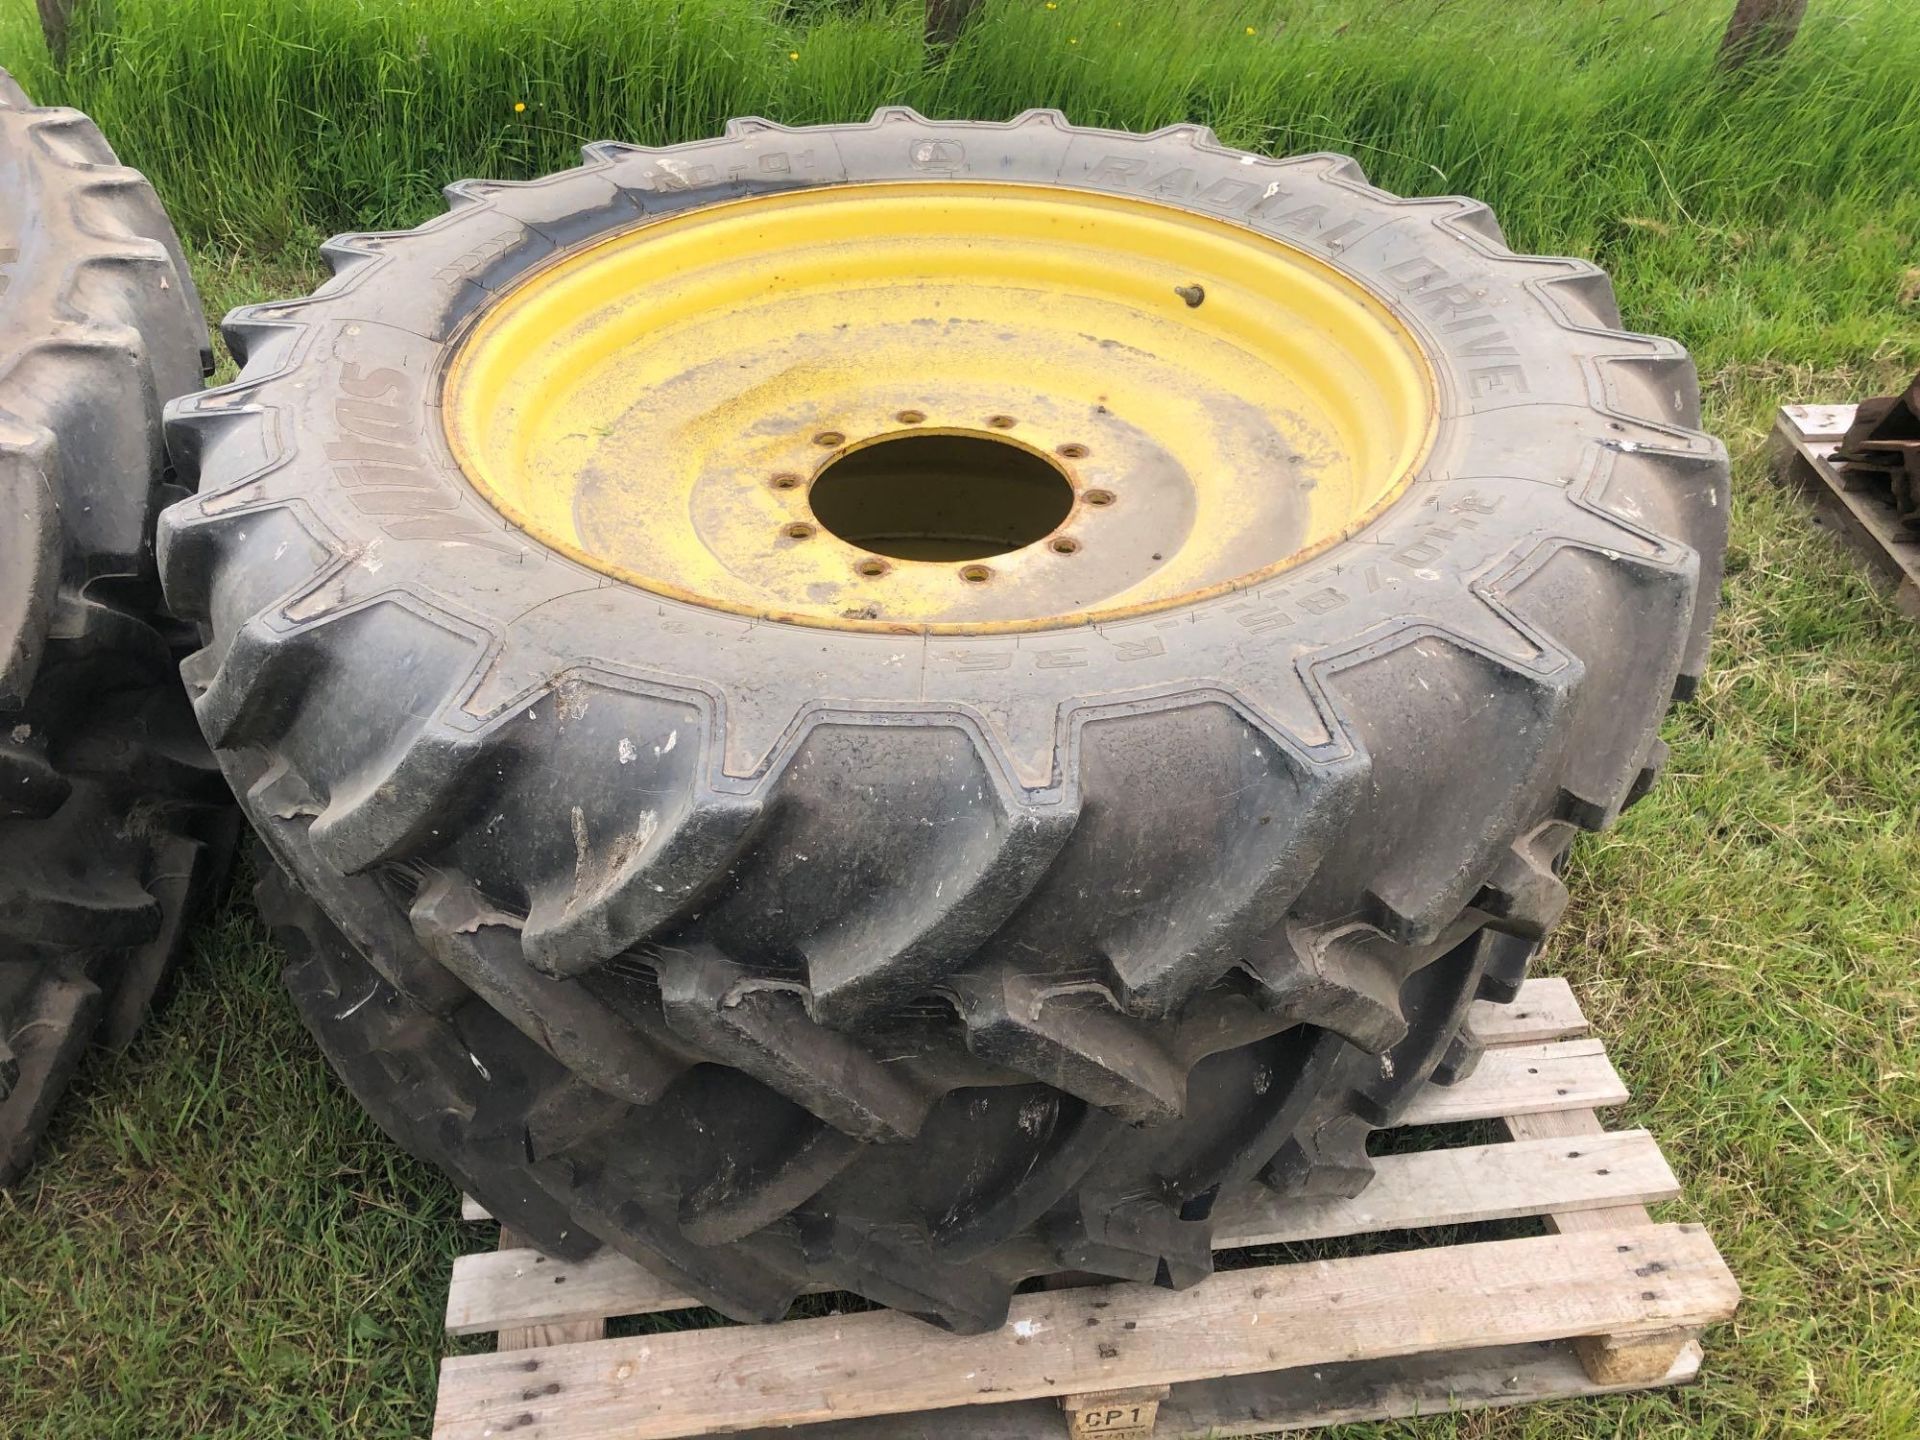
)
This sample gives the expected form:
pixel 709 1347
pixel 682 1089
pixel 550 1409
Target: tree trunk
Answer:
pixel 57 21
pixel 945 19
pixel 1759 30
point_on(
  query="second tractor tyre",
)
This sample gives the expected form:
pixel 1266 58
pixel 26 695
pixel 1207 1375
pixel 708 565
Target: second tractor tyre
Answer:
pixel 900 705
pixel 114 820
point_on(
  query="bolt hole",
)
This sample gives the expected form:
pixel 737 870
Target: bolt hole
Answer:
pixel 871 568
pixel 1002 422
pixel 975 574
pixel 829 438
pixel 1065 545
pixel 786 480
pixel 911 417
pixel 798 530
pixel 1072 452
pixel 1098 497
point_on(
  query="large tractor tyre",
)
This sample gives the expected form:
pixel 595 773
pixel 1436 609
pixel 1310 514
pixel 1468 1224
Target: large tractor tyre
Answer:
pixel 114 819
pixel 899 705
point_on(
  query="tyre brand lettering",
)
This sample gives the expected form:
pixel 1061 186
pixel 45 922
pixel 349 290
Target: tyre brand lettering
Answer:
pixel 376 460
pixel 1309 222
pixel 1432 546
pixel 1180 183
pixel 685 177
pixel 675 176
pixel 1184 184
pixel 773 163
pixel 1499 380
pixel 1056 658
pixel 476 260
pixel 1261 612
pixel 1074 659
pixel 1420 552
pixel 978 659
pixel 1271 204
pixel 1458 310
pixel 1263 619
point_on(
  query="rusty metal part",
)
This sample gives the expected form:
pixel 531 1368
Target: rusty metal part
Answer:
pixel 1882 447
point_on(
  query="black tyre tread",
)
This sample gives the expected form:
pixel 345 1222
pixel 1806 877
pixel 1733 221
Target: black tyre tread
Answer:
pixel 114 825
pixel 384 1047
pixel 1352 875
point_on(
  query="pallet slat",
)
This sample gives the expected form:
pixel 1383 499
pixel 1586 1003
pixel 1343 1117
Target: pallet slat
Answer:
pixel 1440 1383
pixel 1629 1360
pixel 1463 1186
pixel 1058 1342
pixel 539 1335
pixel 1469 1184
pixel 1523 1079
pixel 1822 425
pixel 1545 1009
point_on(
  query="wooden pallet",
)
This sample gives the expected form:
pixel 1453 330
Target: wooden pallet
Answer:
pixel 1604 1300
pixel 1804 439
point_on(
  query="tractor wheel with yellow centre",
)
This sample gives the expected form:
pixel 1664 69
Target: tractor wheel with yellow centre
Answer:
pixel 902 706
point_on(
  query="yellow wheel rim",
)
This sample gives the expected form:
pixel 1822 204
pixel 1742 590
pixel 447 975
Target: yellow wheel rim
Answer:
pixel 947 407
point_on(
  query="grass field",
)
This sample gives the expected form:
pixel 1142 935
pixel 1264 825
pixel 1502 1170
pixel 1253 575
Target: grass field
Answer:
pixel 218 1244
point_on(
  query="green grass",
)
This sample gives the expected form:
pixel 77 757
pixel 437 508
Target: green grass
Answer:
pixel 217 1243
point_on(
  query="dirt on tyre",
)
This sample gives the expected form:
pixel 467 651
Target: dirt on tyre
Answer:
pixel 114 820
pixel 899 705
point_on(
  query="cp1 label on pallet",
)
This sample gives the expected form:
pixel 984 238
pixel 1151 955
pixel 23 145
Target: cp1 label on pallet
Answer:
pixel 1114 1414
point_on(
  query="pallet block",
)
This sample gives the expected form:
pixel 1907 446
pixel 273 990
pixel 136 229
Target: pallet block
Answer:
pixel 1605 1300
pixel 1804 439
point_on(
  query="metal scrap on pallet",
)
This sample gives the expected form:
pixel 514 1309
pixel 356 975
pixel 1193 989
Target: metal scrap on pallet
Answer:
pixel 1883 446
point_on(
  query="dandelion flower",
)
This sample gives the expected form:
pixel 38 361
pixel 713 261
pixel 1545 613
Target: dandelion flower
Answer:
pixel 519 107
pixel 793 54
pixel 1250 30
pixel 1073 40
pixel 1051 5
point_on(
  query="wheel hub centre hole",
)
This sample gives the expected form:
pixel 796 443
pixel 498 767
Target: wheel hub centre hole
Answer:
pixel 941 497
